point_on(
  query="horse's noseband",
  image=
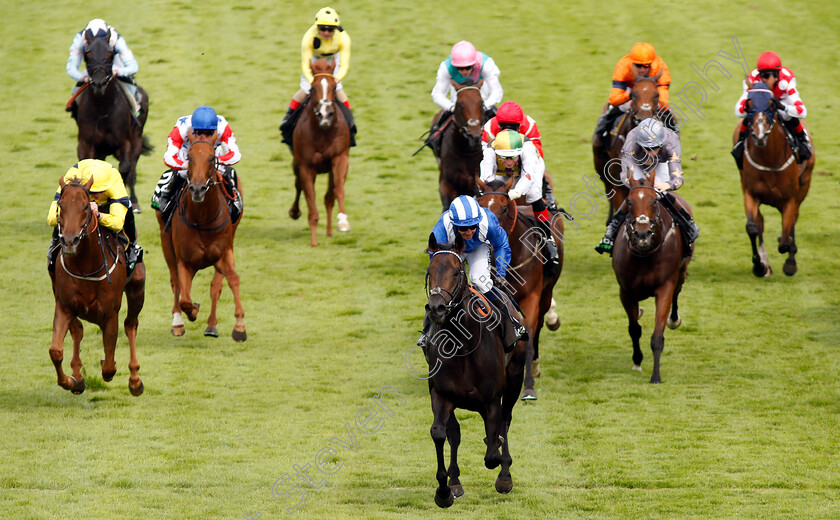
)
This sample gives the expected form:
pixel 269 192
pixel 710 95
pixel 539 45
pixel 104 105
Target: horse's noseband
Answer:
pixel 454 300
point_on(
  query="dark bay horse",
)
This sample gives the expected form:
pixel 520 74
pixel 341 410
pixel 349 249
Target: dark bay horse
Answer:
pixel 106 124
pixel 202 235
pixel 321 144
pixel 771 175
pixel 529 275
pixel 648 260
pixel 644 103
pixel 460 147
pixel 88 283
pixel 469 369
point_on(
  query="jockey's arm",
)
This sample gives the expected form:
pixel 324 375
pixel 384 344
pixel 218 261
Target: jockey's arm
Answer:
pixel 129 63
pixel 172 157
pixel 741 104
pixel 490 74
pixel 794 107
pixel 673 149
pixel 487 167
pixel 344 50
pixel 117 208
pixel 622 79
pixel 499 240
pixel 440 92
pixel 663 83
pixel 532 168
pixel 306 51
pixel 228 151
pixel 75 59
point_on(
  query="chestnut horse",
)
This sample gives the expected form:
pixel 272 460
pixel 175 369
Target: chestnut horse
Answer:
pixel 644 102
pixel 649 260
pixel 202 235
pixel 469 369
pixel 531 279
pixel 103 115
pixel 460 148
pixel 321 144
pixel 88 283
pixel 771 175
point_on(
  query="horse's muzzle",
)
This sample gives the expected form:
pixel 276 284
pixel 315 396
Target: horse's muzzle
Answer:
pixel 437 312
pixel 643 238
pixel 70 248
pixel 197 192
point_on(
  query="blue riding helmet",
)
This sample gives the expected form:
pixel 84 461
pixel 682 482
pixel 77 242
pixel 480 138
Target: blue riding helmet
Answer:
pixel 464 211
pixel 651 133
pixel 205 118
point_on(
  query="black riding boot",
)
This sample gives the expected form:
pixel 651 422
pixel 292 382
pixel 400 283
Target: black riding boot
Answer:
pixel 605 122
pixel 518 330
pixel 351 122
pixel 548 195
pixel 550 244
pixel 606 243
pixel 166 193
pixel 738 149
pixel 423 340
pixel 52 251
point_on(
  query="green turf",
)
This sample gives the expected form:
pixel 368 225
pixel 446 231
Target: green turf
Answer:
pixel 744 426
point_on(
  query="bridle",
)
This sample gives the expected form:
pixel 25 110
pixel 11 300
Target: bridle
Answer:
pixel 212 180
pixel 82 235
pixel 456 296
pixel 630 224
pixel 324 105
pixel 464 128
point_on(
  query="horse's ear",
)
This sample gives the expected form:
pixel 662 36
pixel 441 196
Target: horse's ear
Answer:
pixel 509 183
pixel 459 243
pixel 433 245
pixel 652 177
pixel 89 183
pixel 656 77
pixel 61 181
pixel 480 83
pixel 633 182
pixel 482 185
pixel 748 106
pixel 456 86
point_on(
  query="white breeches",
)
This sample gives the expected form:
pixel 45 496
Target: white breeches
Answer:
pixel 478 261
pixel 662 174
pixel 306 86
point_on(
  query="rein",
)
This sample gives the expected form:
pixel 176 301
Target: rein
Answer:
pixel 89 276
pixel 459 288
pixel 763 168
pixel 657 219
pixel 214 180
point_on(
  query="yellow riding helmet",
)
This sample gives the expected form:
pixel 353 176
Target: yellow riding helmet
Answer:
pixel 105 176
pixel 508 143
pixel 327 16
pixel 642 53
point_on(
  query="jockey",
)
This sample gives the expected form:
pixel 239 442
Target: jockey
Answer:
pixel 511 117
pixel 124 67
pixel 325 39
pixel 513 154
pixel 642 61
pixel 204 122
pixel 464 66
pixel 782 82
pixel 651 145
pixel 481 232
pixel 109 202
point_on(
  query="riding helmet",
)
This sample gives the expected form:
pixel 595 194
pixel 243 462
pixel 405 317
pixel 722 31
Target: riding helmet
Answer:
pixel 327 16
pixel 651 133
pixel 642 53
pixel 204 118
pixel 769 61
pixel 508 143
pixel 464 211
pixel 509 112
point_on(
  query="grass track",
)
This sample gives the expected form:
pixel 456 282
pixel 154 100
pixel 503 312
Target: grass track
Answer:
pixel 745 425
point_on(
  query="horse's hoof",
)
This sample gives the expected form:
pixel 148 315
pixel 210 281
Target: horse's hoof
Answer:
pixel 760 270
pixel 136 208
pixel 192 315
pixel 137 391
pixel 444 502
pixel 504 486
pixel 535 368
pixel 529 394
pixel 790 267
pixel 212 332
pixel 641 313
pixel 294 213
pixel 343 223
pixel 637 368
pixel 78 386
pixel 108 376
pixel 673 324
pixel 552 321
pixel 457 490
pixel 177 330
pixel 239 336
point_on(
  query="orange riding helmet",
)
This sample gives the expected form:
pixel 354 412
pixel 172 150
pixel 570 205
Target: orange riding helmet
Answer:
pixel 642 53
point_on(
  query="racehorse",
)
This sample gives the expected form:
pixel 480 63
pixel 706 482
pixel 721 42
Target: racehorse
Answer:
pixel 202 235
pixel 644 102
pixel 321 144
pixel 469 369
pixel 530 276
pixel 88 283
pixel 104 117
pixel 649 260
pixel 460 147
pixel 771 175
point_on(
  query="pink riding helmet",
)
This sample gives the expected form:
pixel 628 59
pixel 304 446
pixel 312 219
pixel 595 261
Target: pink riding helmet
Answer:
pixel 464 54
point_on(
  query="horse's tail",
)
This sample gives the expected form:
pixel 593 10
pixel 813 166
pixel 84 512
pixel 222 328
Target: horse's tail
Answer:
pixel 147 146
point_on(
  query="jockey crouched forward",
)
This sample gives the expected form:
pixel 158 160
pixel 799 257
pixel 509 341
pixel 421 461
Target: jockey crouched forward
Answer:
pixel 650 145
pixel 483 237
pixel 513 154
pixel 204 122
pixel 110 202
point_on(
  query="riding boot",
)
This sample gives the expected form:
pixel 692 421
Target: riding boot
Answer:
pixel 804 145
pixel 52 251
pixel 436 134
pixel 166 192
pixel 605 123
pixel 351 122
pixel 133 256
pixel 550 244
pixel 286 128
pixel 606 243
pixel 690 230
pixel 738 149
pixel 666 115
pixel 504 304
pixel 235 205
pixel 548 195
pixel 423 340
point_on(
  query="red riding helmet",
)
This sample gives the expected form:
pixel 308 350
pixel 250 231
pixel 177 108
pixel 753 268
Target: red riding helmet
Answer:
pixel 769 61
pixel 510 112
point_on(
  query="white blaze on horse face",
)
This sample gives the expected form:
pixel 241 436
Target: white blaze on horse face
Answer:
pixel 324 105
pixel 324 88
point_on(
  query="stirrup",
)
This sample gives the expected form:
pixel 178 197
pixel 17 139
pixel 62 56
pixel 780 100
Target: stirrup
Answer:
pixel 604 246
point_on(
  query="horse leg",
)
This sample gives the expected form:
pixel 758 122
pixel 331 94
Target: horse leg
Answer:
pixel 786 242
pixel 215 294
pixel 185 278
pixel 514 374
pixel 135 295
pixel 631 308
pixel 447 194
pixel 308 181
pixel 755 230
pixel 453 435
pixel 329 200
pixel 61 324
pixel 110 331
pixel 442 411
pixel 172 263
pixel 339 172
pixel 664 298
pixel 530 308
pixel 294 211
pixel 226 266
pixel 493 427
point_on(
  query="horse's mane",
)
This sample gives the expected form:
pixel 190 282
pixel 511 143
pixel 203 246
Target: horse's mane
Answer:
pixel 321 67
pixel 496 183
